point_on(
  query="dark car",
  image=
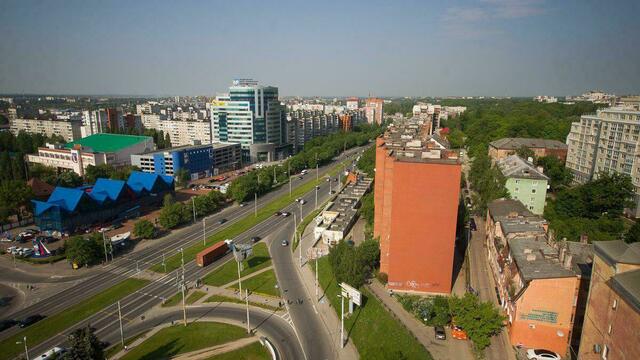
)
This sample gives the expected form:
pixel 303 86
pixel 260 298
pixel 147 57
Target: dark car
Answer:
pixel 222 221
pixel 255 239
pixel 472 225
pixel 5 324
pixel 30 320
pixel 440 334
pixel 278 213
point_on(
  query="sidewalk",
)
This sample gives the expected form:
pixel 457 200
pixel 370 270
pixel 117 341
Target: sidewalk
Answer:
pixel 232 293
pixel 327 314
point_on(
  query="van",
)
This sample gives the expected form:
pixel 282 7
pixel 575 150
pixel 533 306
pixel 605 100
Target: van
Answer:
pixel 51 354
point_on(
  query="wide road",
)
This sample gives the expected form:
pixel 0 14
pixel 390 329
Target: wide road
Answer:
pixel 136 304
pixel 273 327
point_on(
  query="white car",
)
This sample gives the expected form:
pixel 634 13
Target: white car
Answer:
pixel 12 250
pixel 542 354
pixel 26 252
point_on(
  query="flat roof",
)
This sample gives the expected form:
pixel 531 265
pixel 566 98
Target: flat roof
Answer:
pixel 537 259
pixel 627 285
pixel 106 143
pixel 215 145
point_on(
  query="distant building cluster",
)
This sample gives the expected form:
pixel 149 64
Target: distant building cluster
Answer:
pixel 546 99
pixel 433 114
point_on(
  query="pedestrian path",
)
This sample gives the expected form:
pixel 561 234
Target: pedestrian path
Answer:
pixel 248 276
pixel 208 353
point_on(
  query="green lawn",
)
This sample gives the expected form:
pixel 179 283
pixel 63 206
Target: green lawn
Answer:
pixel 59 322
pixel 180 339
pixel 228 299
pixel 229 271
pixel 195 296
pixel 263 283
pixel 114 349
pixel 254 351
pixel 243 224
pixel 375 333
pixel 174 300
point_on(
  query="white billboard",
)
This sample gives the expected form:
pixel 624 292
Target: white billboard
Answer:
pixel 351 293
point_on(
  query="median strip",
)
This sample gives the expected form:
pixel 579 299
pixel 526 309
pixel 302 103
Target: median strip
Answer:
pixel 65 319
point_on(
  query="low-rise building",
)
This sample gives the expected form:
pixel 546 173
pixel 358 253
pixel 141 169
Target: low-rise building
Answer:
pixel 198 160
pixel 112 149
pixel 612 319
pixel 338 217
pixel 504 147
pixel 525 182
pixel 69 129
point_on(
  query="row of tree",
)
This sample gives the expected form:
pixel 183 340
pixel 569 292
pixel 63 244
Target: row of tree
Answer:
pixel 175 213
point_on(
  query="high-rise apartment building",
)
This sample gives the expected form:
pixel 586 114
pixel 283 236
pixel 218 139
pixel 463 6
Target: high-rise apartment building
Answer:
pixel 373 110
pixel 417 188
pixel 252 116
pixel 69 129
pixel 606 142
pixel 352 103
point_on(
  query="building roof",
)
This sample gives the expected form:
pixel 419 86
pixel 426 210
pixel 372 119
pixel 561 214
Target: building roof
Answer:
pixel 508 207
pixel 107 189
pixel 627 285
pixel 537 260
pixel 516 143
pixel 139 181
pixel 108 142
pixel 40 188
pixel 514 166
pixel 617 251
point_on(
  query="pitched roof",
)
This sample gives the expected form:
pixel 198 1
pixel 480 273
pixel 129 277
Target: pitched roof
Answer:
pixel 506 207
pixel 107 189
pixel 516 143
pixel 105 143
pixel 617 251
pixel 40 188
pixel 139 181
pixel 514 166
pixel 66 198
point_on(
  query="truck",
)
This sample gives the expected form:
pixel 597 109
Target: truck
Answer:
pixel 212 253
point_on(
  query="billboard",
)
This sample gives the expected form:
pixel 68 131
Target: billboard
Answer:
pixel 351 293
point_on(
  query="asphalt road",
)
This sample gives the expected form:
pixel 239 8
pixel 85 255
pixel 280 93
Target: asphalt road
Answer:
pixel 136 304
pixel 274 328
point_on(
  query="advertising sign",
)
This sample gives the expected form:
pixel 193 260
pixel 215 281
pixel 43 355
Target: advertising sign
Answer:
pixel 351 293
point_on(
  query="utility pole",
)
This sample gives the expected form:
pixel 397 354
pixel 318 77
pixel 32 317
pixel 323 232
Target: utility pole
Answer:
pixel 316 197
pixel 330 185
pixel 341 321
pixel 26 350
pixel 193 202
pixel 182 252
pixel 247 302
pixel 239 282
pixel 295 228
pixel 204 232
pixel 120 320
pixel 184 306
pixel 104 242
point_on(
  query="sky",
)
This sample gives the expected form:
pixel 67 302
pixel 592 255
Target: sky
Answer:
pixel 320 48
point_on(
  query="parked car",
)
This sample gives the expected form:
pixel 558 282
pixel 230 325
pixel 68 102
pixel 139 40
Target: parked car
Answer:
pixel 222 221
pixel 472 225
pixel 12 250
pixel 30 320
pixel 440 333
pixel 255 239
pixel 542 354
pixel 285 243
pixel 458 333
pixel 5 324
pixel 26 252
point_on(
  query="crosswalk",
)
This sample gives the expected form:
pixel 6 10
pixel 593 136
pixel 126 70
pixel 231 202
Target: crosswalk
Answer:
pixel 286 317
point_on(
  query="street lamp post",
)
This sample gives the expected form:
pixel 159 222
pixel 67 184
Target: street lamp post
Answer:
pixel 204 232
pixel 247 302
pixel 104 242
pixel 239 282
pixel 317 291
pixel 26 350
pixel 289 174
pixel 120 321
pixel 193 202
pixel 184 306
pixel 341 321
pixel 316 197
pixel 317 177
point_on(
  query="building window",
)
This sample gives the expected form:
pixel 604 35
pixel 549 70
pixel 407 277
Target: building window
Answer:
pixel 533 191
pixel 609 329
pixel 605 352
pixel 615 304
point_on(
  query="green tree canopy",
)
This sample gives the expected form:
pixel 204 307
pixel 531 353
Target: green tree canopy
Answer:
pixel 144 229
pixel 84 251
pixel 84 345
pixel 480 320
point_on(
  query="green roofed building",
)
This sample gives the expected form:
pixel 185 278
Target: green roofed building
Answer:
pixel 97 149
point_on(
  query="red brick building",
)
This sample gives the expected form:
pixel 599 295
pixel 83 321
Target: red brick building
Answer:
pixel 417 187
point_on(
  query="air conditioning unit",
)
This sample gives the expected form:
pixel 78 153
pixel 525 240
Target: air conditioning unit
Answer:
pixel 597 348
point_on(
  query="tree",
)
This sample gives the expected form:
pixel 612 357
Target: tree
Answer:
pixel 367 161
pixel 167 140
pixel 183 177
pixel 608 195
pixel 144 229
pixel 525 153
pixel 94 172
pixel 84 345
pixel 15 196
pixel 173 215
pixel 559 176
pixel 633 234
pixel 84 251
pixel 456 138
pixel 69 179
pixel 480 320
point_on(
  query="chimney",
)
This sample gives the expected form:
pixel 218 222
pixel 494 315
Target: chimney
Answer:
pixel 562 254
pixel 567 261
pixel 530 159
pixel 540 169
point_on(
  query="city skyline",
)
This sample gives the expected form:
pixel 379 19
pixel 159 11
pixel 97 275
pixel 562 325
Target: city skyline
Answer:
pixel 490 48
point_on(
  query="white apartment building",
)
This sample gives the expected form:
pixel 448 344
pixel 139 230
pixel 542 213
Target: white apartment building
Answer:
pixel 186 132
pixel 94 122
pixel 70 129
pixel 606 142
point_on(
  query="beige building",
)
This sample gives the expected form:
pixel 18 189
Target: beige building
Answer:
pixel 606 142
pixel 70 130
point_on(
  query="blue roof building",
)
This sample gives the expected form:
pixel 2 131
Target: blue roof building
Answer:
pixel 69 209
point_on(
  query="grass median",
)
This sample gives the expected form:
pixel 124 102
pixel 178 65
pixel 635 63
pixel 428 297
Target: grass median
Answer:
pixel 263 283
pixel 65 319
pixel 228 299
pixel 247 222
pixel 229 271
pixel 375 333
pixel 255 351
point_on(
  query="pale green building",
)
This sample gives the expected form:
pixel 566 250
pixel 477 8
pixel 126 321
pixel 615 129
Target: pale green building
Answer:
pixel 525 182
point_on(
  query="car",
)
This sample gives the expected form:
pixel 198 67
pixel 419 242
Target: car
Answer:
pixel 299 199
pixel 328 179
pixel 318 187
pixel 30 320
pixel 332 192
pixel 278 213
pixel 542 354
pixel 285 243
pixel 440 333
pixel 5 324
pixel 303 201
pixel 222 221
pixel 472 225
pixel 285 214
pixel 300 177
pixel 12 250
pixel 255 239
pixel 242 204
pixel 458 333
pixel 26 252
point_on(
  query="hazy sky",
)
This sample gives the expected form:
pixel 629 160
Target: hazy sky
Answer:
pixel 385 48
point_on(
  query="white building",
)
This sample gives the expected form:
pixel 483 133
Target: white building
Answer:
pixel 70 129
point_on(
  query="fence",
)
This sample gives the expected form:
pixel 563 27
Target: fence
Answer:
pixel 23 222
